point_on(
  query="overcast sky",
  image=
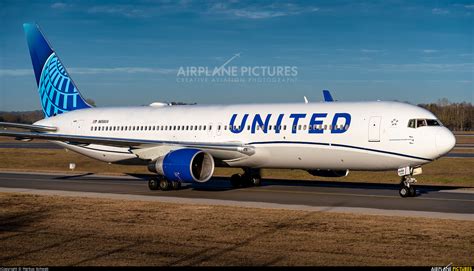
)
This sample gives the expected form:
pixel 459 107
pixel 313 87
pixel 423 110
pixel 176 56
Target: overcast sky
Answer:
pixel 124 54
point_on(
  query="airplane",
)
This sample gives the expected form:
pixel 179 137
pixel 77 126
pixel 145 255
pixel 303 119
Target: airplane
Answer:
pixel 184 143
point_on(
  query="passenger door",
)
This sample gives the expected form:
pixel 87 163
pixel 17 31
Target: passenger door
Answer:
pixel 374 128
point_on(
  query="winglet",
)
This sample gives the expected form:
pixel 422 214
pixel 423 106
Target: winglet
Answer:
pixel 327 96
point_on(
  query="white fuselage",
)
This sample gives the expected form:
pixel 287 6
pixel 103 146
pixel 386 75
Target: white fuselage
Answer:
pixel 377 137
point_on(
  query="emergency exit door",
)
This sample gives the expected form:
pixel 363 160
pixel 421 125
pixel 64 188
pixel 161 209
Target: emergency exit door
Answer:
pixel 374 129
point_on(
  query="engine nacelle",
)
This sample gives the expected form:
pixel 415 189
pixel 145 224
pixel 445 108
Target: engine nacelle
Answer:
pixel 184 165
pixel 328 173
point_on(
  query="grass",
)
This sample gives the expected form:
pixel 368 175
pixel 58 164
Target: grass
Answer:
pixel 53 230
pixel 446 171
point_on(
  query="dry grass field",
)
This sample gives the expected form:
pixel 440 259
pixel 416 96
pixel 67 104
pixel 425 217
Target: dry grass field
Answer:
pixel 53 230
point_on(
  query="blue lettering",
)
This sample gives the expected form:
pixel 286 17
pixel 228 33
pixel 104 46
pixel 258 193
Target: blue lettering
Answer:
pixel 257 120
pixel 314 122
pixel 296 118
pixel 237 129
pixel 341 129
pixel 278 123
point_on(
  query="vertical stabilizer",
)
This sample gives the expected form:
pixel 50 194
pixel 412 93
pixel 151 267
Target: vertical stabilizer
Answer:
pixel 58 93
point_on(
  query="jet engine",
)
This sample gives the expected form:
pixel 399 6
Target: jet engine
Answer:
pixel 328 172
pixel 184 165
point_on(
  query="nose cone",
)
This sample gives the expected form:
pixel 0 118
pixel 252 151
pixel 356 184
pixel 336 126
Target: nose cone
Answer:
pixel 445 141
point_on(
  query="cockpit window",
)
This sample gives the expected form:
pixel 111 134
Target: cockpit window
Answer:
pixel 417 123
pixel 420 123
pixel 433 122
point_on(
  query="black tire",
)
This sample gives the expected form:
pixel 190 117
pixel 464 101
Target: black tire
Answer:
pixel 175 185
pixel 412 191
pixel 164 185
pixel 236 180
pixel 256 180
pixel 153 184
pixel 404 191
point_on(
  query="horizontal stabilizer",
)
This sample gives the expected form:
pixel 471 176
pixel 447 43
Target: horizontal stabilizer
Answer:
pixel 31 127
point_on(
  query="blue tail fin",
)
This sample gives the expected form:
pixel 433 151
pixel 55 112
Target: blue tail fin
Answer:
pixel 57 91
pixel 327 96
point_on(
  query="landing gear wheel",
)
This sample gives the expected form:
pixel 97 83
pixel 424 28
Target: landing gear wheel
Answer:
pixel 236 180
pixel 175 185
pixel 164 185
pixel 256 180
pixel 404 191
pixel 153 184
pixel 411 191
pixel 407 186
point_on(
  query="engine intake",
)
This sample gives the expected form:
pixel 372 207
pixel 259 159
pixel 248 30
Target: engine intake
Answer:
pixel 184 165
pixel 328 173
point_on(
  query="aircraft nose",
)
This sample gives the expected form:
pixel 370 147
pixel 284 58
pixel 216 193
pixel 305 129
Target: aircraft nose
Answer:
pixel 445 141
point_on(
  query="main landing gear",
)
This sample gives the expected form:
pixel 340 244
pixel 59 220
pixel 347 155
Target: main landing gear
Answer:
pixel 407 188
pixel 163 184
pixel 251 177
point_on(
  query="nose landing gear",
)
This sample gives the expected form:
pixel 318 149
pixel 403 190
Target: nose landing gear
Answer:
pixel 407 188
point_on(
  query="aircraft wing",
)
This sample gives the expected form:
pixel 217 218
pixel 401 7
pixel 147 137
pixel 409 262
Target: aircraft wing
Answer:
pixel 128 142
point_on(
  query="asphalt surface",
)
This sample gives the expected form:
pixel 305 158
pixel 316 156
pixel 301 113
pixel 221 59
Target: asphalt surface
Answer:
pixel 29 145
pixel 453 200
pixel 47 145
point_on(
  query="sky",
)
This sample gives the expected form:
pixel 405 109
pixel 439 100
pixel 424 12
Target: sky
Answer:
pixel 122 54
